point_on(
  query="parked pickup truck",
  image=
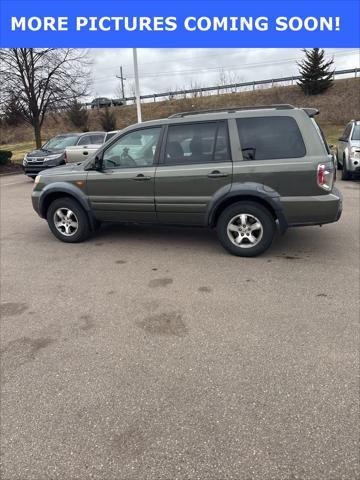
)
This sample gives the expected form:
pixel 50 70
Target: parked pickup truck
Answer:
pixel 88 145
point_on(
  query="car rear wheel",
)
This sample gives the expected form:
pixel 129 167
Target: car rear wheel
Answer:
pixel 246 229
pixel 67 220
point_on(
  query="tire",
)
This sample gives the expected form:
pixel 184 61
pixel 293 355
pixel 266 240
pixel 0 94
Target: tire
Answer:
pixel 72 227
pixel 345 175
pixel 231 226
pixel 338 164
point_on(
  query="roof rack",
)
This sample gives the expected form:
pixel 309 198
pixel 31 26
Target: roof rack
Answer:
pixel 280 106
pixel 311 112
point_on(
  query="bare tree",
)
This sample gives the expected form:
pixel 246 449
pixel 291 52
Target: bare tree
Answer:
pixel 228 78
pixel 43 80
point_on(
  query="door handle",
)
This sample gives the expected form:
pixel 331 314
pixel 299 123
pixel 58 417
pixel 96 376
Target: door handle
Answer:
pixel 217 174
pixel 85 153
pixel 141 177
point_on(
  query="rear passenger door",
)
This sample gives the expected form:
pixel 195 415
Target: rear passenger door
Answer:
pixel 195 162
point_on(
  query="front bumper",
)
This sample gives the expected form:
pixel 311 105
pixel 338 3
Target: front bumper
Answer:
pixel 35 199
pixel 313 210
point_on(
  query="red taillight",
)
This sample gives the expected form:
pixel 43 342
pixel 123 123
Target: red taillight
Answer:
pixel 325 177
pixel 65 157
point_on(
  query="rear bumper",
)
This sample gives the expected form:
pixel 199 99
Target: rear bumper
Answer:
pixel 313 210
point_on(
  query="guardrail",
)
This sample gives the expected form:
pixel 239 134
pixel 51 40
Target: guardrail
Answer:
pixel 233 87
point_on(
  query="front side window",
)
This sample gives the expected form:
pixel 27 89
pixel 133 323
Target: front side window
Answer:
pixel 197 143
pixel 356 133
pixel 270 138
pixel 134 149
pixel 85 140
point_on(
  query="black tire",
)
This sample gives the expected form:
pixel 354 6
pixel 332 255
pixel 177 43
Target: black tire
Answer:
pixel 338 164
pixel 345 174
pixel 79 217
pixel 264 238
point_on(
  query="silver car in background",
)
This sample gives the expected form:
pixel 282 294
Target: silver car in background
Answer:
pixel 348 151
pixel 89 144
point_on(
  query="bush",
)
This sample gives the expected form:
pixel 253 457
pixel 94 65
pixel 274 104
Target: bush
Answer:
pixel 107 120
pixel 5 156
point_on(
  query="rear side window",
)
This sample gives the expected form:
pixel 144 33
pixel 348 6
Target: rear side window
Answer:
pixel 97 139
pixel 269 138
pixel 197 143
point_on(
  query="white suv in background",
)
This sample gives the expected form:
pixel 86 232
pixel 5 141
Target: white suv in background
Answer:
pixel 348 150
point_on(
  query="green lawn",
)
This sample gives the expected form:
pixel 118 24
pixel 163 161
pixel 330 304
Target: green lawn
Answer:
pixel 18 150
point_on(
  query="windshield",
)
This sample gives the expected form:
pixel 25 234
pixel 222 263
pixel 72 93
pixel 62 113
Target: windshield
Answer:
pixel 60 142
pixel 356 133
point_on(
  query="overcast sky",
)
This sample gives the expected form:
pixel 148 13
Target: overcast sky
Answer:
pixel 162 70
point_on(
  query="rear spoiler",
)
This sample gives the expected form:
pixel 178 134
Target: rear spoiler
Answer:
pixel 311 111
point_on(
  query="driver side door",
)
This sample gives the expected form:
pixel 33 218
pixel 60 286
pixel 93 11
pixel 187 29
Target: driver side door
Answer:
pixel 123 191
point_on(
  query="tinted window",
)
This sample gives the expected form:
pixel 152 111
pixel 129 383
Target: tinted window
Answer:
pixel 356 133
pixel 268 138
pixel 134 149
pixel 197 143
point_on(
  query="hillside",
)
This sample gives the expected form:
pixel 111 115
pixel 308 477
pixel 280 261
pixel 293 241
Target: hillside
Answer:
pixel 337 106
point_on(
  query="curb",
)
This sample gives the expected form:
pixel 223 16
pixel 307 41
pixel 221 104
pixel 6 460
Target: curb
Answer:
pixel 11 173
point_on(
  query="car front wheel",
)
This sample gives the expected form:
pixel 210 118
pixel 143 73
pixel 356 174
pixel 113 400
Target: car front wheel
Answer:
pixel 67 220
pixel 246 229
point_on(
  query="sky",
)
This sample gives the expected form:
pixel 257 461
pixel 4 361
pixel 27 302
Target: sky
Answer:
pixel 163 70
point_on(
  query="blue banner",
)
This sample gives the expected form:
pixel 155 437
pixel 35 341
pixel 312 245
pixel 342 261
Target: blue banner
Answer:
pixel 220 23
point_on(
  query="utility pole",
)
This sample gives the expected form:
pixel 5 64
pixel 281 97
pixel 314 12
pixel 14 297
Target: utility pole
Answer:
pixel 121 77
pixel 137 88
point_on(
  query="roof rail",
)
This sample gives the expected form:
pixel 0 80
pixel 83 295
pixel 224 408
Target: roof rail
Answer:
pixel 280 106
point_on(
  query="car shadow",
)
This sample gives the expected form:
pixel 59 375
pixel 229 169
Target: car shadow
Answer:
pixel 296 242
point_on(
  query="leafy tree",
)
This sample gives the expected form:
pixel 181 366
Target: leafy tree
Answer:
pixel 42 80
pixel 107 120
pixel 78 116
pixel 316 72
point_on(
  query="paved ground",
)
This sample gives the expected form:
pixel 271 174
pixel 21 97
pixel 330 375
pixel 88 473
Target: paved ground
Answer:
pixel 150 353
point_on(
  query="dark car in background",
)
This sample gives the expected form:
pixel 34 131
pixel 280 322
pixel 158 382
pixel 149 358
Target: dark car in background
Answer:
pixel 103 102
pixel 51 154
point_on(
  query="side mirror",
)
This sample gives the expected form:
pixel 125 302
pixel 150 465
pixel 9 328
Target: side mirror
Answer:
pixel 98 163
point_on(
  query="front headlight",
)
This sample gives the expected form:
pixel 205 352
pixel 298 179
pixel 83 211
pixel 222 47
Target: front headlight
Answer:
pixel 25 159
pixel 37 179
pixel 355 152
pixel 52 157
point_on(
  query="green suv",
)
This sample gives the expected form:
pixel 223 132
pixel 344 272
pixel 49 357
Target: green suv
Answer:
pixel 245 171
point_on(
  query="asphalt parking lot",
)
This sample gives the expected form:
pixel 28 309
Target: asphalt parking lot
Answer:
pixel 151 353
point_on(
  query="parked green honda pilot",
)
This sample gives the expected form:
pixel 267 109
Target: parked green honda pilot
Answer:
pixel 246 172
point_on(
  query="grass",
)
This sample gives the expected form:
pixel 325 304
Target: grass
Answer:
pixel 18 150
pixel 332 133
